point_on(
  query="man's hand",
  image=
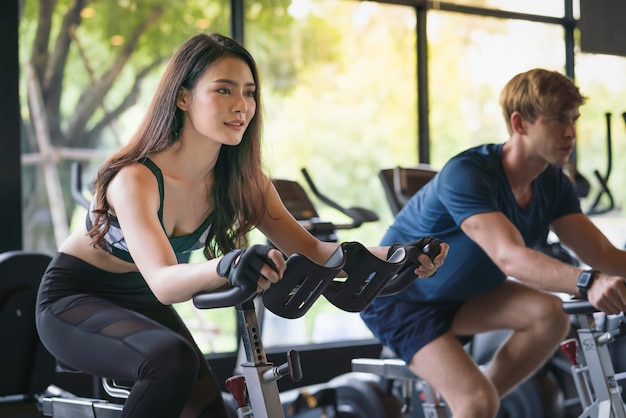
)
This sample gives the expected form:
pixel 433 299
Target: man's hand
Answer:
pixel 254 268
pixel 608 293
pixel 424 256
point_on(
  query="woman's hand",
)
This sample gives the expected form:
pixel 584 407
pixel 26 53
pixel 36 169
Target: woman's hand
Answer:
pixel 254 268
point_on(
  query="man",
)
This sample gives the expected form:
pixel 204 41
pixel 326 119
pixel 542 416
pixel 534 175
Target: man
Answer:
pixel 492 204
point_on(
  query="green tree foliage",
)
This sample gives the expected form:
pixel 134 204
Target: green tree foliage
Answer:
pixel 90 60
pixel 346 106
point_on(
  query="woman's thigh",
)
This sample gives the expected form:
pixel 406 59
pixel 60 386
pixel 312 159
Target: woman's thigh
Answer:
pixel 103 339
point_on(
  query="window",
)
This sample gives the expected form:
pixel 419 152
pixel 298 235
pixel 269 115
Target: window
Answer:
pixel 601 79
pixel 339 80
pixel 470 60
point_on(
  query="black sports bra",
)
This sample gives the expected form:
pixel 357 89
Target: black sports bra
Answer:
pixel 182 245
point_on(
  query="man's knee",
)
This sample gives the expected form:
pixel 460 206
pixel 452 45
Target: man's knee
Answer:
pixel 550 311
pixel 547 321
pixel 482 401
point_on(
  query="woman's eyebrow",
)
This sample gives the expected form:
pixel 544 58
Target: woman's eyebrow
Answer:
pixel 233 83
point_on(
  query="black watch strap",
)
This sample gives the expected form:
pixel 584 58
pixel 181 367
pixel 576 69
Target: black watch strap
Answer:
pixel 584 282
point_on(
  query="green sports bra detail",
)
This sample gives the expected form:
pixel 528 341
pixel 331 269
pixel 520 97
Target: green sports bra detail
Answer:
pixel 182 245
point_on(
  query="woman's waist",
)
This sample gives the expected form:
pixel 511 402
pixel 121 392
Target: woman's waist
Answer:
pixel 79 245
pixel 68 274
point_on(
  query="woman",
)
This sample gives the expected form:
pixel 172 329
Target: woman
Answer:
pixel 191 176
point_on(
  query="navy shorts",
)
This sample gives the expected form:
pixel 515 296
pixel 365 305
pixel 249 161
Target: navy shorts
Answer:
pixel 405 327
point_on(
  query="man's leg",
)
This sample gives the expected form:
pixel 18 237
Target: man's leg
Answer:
pixel 538 323
pixel 449 369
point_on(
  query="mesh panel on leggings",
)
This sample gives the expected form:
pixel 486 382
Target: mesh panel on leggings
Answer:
pixel 89 316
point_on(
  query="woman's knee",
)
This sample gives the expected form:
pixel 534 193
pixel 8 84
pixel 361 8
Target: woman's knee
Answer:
pixel 171 357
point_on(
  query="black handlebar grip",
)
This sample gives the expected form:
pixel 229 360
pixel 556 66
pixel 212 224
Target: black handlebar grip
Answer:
pixel 406 274
pixel 432 249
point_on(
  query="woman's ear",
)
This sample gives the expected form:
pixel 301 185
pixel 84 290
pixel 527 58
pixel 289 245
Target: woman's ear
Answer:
pixel 182 99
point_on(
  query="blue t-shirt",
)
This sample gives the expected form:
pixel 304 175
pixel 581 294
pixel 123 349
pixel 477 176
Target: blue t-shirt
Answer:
pixel 474 182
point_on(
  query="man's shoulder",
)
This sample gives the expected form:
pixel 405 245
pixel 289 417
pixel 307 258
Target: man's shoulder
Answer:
pixel 485 156
pixel 488 151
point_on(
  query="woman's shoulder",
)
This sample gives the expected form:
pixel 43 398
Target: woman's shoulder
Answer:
pixel 135 172
pixel 132 181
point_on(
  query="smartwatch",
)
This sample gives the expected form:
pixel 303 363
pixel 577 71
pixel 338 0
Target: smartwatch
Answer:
pixel 584 282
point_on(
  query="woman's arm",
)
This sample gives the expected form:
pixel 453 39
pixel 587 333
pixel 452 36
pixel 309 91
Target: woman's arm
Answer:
pixel 134 197
pixel 284 231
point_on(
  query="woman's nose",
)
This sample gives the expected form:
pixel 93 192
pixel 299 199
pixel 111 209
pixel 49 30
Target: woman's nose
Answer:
pixel 240 105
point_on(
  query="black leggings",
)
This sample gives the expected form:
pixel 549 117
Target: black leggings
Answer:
pixel 87 323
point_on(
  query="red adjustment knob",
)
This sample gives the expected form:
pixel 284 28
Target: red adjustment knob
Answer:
pixel 237 386
pixel 570 347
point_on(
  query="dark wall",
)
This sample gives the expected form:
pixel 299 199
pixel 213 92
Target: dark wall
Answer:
pixel 603 26
pixel 10 178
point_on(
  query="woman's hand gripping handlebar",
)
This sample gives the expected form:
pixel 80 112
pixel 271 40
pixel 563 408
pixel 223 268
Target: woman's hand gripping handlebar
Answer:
pixel 252 269
pixel 302 282
pixel 249 271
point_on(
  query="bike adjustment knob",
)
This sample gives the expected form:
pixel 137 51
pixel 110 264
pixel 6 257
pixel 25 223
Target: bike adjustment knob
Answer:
pixel 570 347
pixel 237 386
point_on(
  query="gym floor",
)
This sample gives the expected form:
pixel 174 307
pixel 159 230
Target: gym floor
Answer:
pixel 19 410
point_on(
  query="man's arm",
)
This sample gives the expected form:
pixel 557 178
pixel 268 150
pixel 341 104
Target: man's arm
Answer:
pixel 504 244
pixel 581 235
pixel 608 289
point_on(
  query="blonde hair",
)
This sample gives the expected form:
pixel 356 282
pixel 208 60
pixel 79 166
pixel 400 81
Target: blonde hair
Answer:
pixel 538 92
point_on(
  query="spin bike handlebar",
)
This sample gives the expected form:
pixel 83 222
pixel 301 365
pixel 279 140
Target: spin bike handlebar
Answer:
pixel 578 306
pixel 222 298
pixel 304 281
pixel 357 214
pixel 584 307
pixel 301 272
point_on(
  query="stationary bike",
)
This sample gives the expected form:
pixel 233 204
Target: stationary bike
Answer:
pixel 304 281
pixel 596 382
pixel 597 385
pixel 302 284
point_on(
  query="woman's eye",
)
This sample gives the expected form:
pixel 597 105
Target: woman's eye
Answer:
pixel 223 90
pixel 251 93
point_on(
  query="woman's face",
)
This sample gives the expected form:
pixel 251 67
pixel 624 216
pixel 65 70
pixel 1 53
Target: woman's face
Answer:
pixel 222 103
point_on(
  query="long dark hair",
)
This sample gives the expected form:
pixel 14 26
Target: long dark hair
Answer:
pixel 237 195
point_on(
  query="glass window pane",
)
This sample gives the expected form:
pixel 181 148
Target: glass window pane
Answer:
pixel 470 60
pixel 339 88
pixel 603 122
pixel 93 104
pixel 553 8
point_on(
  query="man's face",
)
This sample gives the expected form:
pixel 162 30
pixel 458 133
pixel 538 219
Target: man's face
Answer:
pixel 553 136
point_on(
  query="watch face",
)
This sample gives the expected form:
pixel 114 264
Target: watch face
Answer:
pixel 584 280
